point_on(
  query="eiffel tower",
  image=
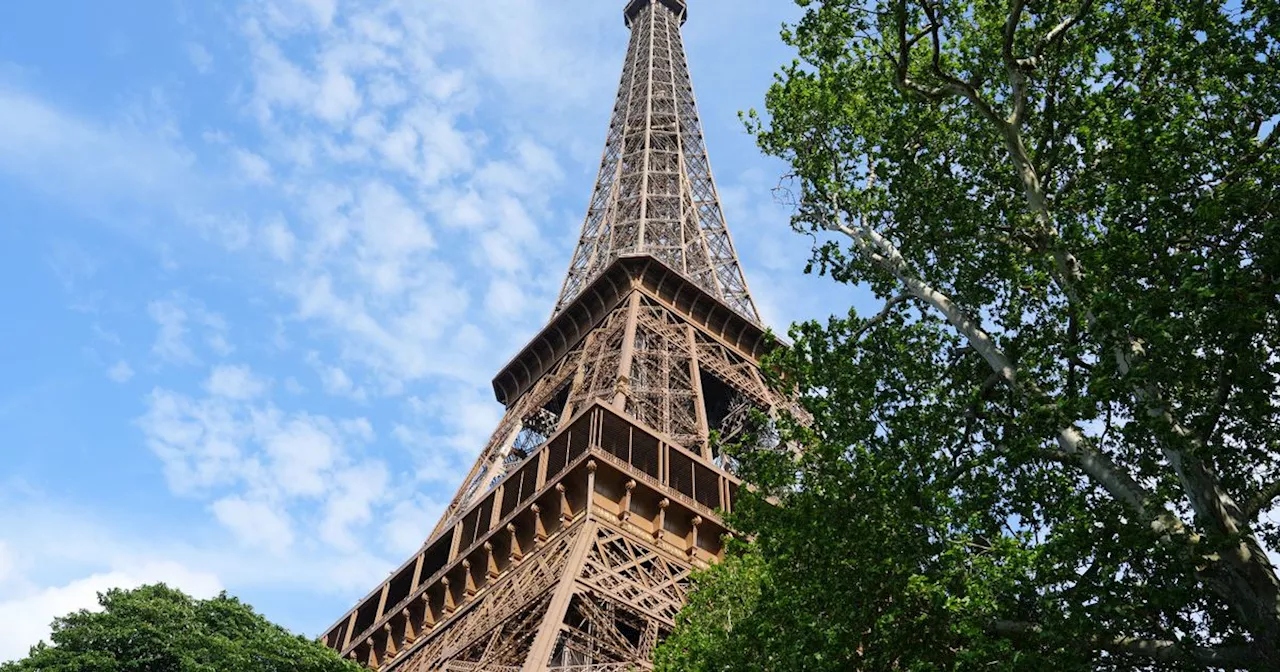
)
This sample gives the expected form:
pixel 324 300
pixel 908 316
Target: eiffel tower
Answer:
pixel 569 545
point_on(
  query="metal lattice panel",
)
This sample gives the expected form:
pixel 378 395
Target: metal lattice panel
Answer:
pixel 637 575
pixel 663 395
pixel 630 599
pixel 598 376
pixel 498 630
pixel 732 368
pixel 655 193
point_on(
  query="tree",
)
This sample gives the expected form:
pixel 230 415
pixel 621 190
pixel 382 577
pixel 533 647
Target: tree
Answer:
pixel 159 629
pixel 1059 440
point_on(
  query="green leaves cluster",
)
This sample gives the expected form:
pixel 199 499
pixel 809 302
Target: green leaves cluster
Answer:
pixel 159 629
pixel 1057 443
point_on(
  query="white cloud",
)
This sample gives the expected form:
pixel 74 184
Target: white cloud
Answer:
pixel 91 165
pixel 527 49
pixel 279 240
pixel 27 617
pixel 271 475
pixel 399 341
pixel 291 13
pixel 255 523
pixel 410 523
pixel 336 381
pixel 252 167
pixel 120 372
pixel 506 298
pixel 171 345
pixel 200 57
pixel 174 317
pixel 199 443
pixel 359 489
pixel 234 382
pixel 219 344
pixel 62 543
pixel 447 430
pixel 381 257
pixel 302 454
pixel 360 429
pixel 278 81
pixel 338 98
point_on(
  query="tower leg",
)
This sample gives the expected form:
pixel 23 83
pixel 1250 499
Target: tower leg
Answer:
pixel 544 643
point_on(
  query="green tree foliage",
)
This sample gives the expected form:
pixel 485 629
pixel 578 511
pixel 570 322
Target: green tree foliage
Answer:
pixel 159 629
pixel 1058 444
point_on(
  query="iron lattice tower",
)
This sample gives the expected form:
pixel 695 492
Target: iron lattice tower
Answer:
pixel 655 194
pixel 569 545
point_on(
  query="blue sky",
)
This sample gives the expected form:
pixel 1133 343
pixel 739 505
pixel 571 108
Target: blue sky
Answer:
pixel 260 259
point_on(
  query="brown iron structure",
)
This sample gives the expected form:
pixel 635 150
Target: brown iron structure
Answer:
pixel 569 545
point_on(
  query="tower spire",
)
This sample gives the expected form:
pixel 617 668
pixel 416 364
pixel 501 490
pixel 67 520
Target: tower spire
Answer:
pixel 570 543
pixel 655 194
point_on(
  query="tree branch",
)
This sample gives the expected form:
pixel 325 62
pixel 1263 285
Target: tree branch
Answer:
pixel 1011 28
pixel 1159 651
pixel 902 63
pixel 1212 416
pixel 1262 501
pixel 1054 36
pixel 1181 447
pixel 881 316
pixel 1017 77
pixel 1073 447
pixel 952 83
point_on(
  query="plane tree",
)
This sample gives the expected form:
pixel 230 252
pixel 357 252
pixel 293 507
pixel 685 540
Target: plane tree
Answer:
pixel 1058 440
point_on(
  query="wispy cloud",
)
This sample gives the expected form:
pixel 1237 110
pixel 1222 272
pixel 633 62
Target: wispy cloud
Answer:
pixel 200 57
pixel 175 317
pixel 120 372
pixel 90 164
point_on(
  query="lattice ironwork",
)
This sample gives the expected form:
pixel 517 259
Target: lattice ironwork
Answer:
pixel 635 574
pixel 662 391
pixel 598 372
pixel 629 594
pixel 655 193
pixel 499 630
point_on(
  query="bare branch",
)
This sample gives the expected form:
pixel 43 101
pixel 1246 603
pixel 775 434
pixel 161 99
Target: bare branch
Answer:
pixel 881 316
pixel 1159 651
pixel 1055 36
pixel 1011 28
pixel 1262 501
pixel 1017 78
pixel 1209 425
pixel 902 63
pixel 1074 449
pixel 1181 447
